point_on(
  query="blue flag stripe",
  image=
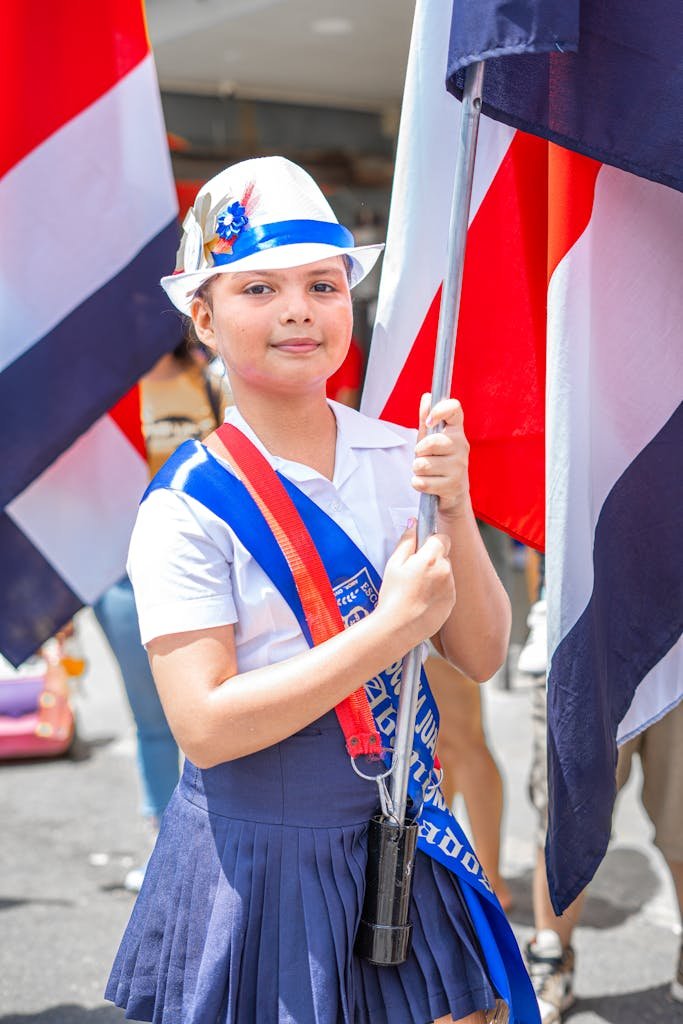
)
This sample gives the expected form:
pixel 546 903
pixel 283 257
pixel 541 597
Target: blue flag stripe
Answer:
pixel 633 618
pixel 29 581
pixel 617 99
pixel 72 376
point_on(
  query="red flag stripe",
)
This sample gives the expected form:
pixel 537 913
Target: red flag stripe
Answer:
pixel 57 59
pixel 126 416
pixel 501 334
pixel 571 193
pixel 514 244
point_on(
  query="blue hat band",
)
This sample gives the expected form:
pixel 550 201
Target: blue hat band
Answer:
pixel 284 232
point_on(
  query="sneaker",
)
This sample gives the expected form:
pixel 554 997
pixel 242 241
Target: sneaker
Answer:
pixel 134 879
pixel 677 983
pixel 533 658
pixel 551 970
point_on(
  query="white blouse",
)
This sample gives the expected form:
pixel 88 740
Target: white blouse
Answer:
pixel 190 571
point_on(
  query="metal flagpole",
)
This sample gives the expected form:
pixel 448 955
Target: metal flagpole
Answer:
pixel 441 388
pixel 384 931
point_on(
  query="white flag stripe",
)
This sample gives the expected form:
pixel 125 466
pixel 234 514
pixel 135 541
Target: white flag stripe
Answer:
pixel 90 184
pixel 80 512
pixel 610 387
pixel 660 690
pixel 417 237
pixel 614 377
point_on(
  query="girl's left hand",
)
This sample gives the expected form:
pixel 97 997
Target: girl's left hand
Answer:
pixel 441 460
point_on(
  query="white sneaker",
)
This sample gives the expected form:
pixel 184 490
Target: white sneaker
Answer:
pixel 677 983
pixel 134 879
pixel 551 970
pixel 533 658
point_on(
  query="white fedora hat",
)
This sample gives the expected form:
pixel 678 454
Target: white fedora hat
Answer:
pixel 261 214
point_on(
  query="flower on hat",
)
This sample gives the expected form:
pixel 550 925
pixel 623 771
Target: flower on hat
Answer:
pixel 207 231
pixel 231 220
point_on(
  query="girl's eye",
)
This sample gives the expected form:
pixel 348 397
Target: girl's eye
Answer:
pixel 323 286
pixel 257 289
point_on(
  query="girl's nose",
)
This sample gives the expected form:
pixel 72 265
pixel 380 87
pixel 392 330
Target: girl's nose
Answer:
pixel 296 309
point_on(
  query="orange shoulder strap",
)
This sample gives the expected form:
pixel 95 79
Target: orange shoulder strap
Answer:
pixel 311 580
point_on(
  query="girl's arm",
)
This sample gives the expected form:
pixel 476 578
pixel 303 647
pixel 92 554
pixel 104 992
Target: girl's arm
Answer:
pixel 217 713
pixel 475 635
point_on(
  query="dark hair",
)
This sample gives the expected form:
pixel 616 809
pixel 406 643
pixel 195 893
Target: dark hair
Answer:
pixel 183 349
pixel 204 293
pixel 191 349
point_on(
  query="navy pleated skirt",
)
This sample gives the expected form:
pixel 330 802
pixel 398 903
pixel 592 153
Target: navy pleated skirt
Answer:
pixel 253 894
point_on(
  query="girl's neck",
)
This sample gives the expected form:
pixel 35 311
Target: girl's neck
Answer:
pixel 299 428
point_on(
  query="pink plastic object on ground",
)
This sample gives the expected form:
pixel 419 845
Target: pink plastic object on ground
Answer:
pixel 36 718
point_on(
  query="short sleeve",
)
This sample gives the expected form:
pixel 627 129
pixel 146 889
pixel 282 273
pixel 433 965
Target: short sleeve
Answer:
pixel 179 563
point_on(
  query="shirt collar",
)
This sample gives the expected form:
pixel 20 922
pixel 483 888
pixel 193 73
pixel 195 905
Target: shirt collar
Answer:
pixel 362 431
pixel 354 430
pixel 293 470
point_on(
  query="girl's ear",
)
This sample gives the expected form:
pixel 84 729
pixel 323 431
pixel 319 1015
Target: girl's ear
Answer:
pixel 202 320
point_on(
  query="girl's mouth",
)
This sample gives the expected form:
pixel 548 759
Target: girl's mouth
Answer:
pixel 297 346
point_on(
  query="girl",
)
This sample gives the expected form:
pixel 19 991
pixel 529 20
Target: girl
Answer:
pixel 254 892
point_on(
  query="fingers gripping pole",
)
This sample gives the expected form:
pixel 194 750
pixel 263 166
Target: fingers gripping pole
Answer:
pixel 441 388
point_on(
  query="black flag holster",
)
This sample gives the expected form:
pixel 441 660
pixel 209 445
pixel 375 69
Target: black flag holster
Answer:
pixel 384 932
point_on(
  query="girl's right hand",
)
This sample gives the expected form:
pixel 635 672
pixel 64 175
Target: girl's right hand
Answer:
pixel 418 590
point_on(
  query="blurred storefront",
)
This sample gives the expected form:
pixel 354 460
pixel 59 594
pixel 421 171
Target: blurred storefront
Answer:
pixel 260 77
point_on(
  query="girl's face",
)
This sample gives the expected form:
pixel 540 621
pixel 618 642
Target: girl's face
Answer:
pixel 282 331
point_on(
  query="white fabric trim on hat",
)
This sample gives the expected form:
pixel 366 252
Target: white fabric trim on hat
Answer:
pixel 120 142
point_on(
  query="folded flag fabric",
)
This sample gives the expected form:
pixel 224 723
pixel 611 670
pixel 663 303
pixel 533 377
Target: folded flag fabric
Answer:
pixel 88 212
pixel 614 563
pixel 602 78
pixel 576 262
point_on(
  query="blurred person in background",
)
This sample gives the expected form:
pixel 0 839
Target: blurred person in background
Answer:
pixel 468 765
pixel 660 749
pixel 533 658
pixel 182 397
pixel 549 954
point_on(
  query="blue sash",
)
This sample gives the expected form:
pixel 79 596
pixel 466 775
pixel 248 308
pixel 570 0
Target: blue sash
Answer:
pixel 195 472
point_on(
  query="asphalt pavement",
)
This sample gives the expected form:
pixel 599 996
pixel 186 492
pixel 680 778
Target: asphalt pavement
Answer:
pixel 71 831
